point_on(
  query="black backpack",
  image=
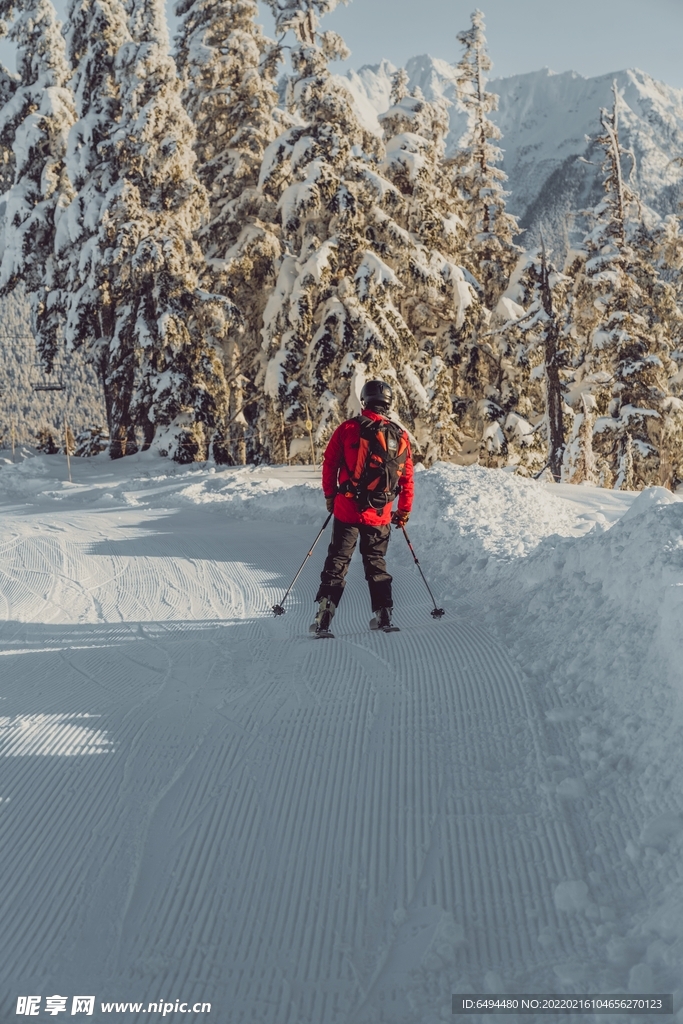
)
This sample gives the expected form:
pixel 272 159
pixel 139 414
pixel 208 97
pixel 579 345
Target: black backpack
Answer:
pixel 381 462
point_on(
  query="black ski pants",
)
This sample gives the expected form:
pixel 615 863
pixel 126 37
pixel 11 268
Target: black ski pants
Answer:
pixel 374 541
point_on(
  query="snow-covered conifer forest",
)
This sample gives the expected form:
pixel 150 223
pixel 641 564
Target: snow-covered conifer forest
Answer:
pixel 219 240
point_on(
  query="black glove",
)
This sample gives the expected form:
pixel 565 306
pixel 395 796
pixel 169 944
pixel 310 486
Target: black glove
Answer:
pixel 399 519
pixel 329 501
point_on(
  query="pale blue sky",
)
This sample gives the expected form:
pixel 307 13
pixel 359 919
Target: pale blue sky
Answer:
pixel 589 36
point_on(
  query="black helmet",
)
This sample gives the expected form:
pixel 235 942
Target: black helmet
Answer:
pixel 376 393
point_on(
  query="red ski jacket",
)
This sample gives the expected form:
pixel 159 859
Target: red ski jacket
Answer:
pixel 339 463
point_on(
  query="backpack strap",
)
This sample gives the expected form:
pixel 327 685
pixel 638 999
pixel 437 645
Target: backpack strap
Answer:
pixel 363 451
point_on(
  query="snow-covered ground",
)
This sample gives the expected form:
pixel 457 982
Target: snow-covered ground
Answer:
pixel 200 803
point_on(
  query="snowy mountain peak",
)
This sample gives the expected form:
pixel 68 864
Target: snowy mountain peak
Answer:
pixel 547 120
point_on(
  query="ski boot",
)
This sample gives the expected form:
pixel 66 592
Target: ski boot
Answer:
pixel 382 620
pixel 323 618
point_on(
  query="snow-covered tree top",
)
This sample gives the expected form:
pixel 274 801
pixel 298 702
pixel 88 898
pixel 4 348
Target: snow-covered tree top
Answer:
pixel 96 31
pixel 41 51
pixel 399 86
pixel 471 84
pixel 147 19
pixel 300 16
pixel 229 69
pixel 619 205
pixel 413 118
pixel 476 61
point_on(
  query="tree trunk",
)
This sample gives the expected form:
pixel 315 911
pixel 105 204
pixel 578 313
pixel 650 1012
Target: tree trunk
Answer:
pixel 553 386
pixel 147 434
pixel 108 400
pixel 554 402
pixel 123 440
pixel 238 447
pixel 106 320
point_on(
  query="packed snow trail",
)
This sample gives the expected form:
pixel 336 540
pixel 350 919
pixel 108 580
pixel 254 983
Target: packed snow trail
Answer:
pixel 197 802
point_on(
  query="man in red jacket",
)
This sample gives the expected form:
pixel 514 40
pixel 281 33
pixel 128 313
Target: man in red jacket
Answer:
pixel 353 517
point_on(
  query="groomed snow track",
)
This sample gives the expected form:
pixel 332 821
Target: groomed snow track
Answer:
pixel 199 802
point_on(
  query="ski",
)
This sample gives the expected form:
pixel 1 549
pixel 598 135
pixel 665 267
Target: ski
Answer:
pixel 383 629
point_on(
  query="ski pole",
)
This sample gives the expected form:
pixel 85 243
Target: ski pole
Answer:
pixel 435 613
pixel 279 609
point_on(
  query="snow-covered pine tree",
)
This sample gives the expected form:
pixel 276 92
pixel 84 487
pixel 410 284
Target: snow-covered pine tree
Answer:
pixel 665 253
pixel 8 86
pixel 529 404
pixel 492 254
pixel 229 70
pixel 439 304
pixel 165 364
pixel 96 31
pixel 37 118
pixel 624 318
pixel 331 321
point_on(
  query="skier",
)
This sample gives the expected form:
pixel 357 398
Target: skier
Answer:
pixel 366 464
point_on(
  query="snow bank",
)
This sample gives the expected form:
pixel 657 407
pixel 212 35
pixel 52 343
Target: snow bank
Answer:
pixel 597 625
pixel 606 608
pixel 473 512
pixel 477 513
pixel 239 495
pixel 149 481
